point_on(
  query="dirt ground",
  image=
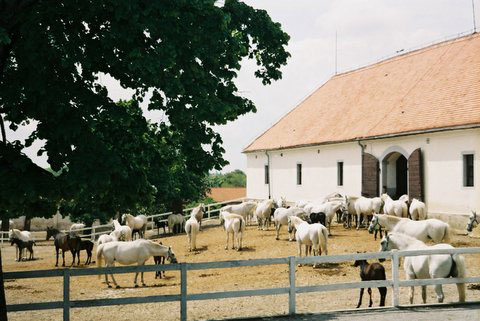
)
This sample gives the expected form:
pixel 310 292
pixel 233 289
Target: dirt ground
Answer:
pixel 211 242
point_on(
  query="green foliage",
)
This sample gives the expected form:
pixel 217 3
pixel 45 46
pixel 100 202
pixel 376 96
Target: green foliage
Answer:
pixel 185 52
pixel 237 178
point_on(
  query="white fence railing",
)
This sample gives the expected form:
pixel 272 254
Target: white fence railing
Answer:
pixel 210 212
pixel 184 297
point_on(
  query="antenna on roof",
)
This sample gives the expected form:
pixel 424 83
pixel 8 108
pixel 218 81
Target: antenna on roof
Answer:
pixel 474 23
pixel 335 52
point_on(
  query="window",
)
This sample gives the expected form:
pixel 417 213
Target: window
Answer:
pixel 267 175
pixel 340 173
pixel 299 174
pixel 468 170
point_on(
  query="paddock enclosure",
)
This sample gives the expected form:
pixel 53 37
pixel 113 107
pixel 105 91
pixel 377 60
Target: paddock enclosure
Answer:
pixel 210 243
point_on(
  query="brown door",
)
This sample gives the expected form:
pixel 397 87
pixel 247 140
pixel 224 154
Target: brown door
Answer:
pixel 415 175
pixel 370 175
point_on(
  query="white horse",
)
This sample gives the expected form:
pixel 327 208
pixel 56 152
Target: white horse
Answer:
pixel 174 220
pixel 245 209
pixel 433 229
pixel 74 228
pixel 364 206
pixel 233 224
pixel 330 209
pixel 417 210
pixel 280 202
pixel 472 221
pixel 198 213
pixel 191 228
pixel 105 238
pixel 127 253
pixel 136 223
pixel 314 235
pixel 427 266
pixel 280 217
pixel 397 208
pixel 122 232
pixel 24 236
pixel 263 212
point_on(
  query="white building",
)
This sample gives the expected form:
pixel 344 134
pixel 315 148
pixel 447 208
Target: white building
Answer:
pixel 405 125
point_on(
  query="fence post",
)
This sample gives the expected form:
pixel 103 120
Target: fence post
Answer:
pixel 183 294
pixel 292 293
pixel 208 210
pixel 92 230
pixel 396 291
pixel 66 294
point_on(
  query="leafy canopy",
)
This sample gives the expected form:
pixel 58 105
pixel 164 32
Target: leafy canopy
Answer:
pixel 186 53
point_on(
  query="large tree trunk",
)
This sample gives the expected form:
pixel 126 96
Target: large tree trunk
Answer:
pixel 27 223
pixel 3 303
pixel 177 207
pixel 5 223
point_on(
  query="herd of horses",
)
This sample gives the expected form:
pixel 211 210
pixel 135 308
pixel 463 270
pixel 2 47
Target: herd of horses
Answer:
pixel 308 222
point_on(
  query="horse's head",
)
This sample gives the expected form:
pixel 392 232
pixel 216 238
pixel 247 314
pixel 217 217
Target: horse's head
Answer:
pixel 385 245
pixel 374 224
pixel 473 221
pixel 171 256
pixel 359 262
pixel 51 232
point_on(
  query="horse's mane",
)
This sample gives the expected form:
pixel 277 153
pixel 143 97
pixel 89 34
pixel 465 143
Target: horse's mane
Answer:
pixel 410 239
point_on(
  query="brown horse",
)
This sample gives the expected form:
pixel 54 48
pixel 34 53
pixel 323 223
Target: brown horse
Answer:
pixel 370 272
pixel 21 245
pixel 66 242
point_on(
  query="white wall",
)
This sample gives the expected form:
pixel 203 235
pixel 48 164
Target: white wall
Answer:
pixel 442 159
pixel 319 172
pixel 443 167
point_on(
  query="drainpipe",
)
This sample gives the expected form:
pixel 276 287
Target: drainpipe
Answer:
pixel 361 164
pixel 269 176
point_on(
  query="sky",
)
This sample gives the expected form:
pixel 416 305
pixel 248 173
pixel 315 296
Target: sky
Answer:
pixel 367 31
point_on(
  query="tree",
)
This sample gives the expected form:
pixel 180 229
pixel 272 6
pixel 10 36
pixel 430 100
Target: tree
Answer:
pixel 186 53
pixel 237 178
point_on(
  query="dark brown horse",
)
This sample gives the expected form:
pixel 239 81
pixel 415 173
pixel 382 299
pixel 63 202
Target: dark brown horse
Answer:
pixel 87 246
pixel 370 272
pixel 66 242
pixel 21 245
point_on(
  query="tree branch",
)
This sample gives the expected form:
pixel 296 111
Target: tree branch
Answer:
pixel 2 127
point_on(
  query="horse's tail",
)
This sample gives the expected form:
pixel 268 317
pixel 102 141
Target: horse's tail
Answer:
pixel 322 238
pixel 458 270
pixel 99 257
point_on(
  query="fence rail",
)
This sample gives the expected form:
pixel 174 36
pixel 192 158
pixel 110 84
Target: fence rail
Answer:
pixel 184 297
pixel 211 212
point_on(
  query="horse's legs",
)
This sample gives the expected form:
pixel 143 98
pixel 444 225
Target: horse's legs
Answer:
pixel 439 291
pixel 226 246
pixel 113 278
pixel 63 257
pixel 370 295
pixel 424 294
pixel 239 240
pixel 360 299
pixel 56 248
pixel 359 220
pixel 383 294
pixel 277 230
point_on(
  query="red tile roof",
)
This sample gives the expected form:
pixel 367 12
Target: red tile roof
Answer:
pixel 431 88
pixel 221 194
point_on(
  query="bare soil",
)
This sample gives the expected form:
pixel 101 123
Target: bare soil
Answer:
pixel 211 243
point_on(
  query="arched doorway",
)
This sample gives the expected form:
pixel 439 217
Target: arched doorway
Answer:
pixel 395 175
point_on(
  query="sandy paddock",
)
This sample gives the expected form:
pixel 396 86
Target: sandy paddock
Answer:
pixel 211 241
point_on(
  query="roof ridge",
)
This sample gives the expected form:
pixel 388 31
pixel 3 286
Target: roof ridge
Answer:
pixel 408 53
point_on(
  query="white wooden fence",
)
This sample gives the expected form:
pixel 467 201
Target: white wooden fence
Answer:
pixel 184 297
pixel 211 212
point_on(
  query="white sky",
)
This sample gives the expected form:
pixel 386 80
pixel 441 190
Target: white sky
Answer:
pixel 368 30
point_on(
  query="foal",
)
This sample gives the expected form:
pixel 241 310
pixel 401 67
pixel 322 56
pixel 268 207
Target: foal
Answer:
pixel 87 246
pixel 21 245
pixel 370 272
